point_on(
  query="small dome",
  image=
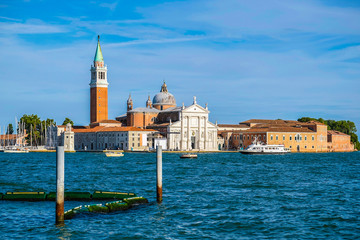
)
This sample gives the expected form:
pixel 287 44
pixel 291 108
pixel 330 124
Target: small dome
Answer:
pixel 164 97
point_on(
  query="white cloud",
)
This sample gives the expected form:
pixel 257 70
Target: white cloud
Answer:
pixel 31 27
pixel 10 19
pixel 110 6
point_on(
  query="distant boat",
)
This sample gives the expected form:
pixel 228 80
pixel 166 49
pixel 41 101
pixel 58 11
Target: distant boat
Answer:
pixel 114 154
pixel 188 155
pixel 16 150
pixel 259 148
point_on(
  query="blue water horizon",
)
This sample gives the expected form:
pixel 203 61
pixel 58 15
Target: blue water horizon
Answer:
pixel 217 196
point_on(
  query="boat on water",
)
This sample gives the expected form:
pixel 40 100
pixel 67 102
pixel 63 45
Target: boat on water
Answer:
pixel 258 147
pixel 189 155
pixel 18 150
pixel 114 154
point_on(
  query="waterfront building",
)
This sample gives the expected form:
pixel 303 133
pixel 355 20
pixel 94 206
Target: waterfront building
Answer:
pixel 297 136
pixel 185 128
pixel 121 138
pixel 12 140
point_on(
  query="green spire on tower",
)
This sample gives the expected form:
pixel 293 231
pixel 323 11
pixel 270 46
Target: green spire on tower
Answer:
pixel 98 54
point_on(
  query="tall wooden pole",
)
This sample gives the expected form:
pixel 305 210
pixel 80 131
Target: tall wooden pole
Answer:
pixel 60 172
pixel 159 174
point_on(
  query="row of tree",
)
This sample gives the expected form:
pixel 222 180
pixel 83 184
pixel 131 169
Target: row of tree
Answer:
pixel 35 128
pixel 344 126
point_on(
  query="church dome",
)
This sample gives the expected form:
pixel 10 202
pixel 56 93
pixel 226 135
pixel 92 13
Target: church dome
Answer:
pixel 164 97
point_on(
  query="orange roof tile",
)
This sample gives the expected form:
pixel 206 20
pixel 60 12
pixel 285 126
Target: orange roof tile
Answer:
pixel 333 132
pixel 111 129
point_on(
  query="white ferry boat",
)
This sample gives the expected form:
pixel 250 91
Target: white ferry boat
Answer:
pixel 259 148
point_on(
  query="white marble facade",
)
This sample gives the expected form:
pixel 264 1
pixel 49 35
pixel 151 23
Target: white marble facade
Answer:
pixel 193 131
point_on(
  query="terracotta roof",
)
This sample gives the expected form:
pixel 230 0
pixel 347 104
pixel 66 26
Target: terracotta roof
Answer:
pixel 8 136
pixel 111 129
pixel 269 121
pixel 278 129
pixel 107 121
pixel 333 132
pixel 234 125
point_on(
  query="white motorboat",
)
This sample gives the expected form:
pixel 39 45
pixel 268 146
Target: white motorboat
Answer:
pixel 18 150
pixel 114 154
pixel 260 148
pixel 188 155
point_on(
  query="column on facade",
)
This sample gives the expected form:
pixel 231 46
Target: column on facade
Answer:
pixel 205 133
pixel 199 132
pixel 182 132
pixel 188 133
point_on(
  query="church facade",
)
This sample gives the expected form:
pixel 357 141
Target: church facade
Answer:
pixel 184 128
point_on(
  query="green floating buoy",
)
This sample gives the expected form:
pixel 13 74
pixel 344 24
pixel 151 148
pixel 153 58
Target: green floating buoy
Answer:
pixel 114 206
pixel 117 205
pixel 70 196
pixel 102 195
pixel 24 196
pixel 98 208
pixel 72 212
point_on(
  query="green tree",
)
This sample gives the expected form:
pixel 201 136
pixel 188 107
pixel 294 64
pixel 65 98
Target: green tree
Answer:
pixel 306 119
pixel 68 120
pixel 10 129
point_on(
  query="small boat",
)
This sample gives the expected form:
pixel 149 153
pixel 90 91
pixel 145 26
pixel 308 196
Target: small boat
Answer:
pixel 114 154
pixel 260 148
pixel 18 150
pixel 188 155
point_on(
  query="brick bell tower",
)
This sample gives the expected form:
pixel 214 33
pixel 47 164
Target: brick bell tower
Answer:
pixel 98 88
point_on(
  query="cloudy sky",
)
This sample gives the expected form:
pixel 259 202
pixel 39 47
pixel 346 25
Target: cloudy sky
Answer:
pixel 247 59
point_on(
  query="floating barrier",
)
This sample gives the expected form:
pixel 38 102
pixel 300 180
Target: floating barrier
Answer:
pixel 98 208
pixel 117 205
pixel 102 195
pixel 72 212
pixel 114 206
pixel 24 196
pixel 136 200
pixel 70 196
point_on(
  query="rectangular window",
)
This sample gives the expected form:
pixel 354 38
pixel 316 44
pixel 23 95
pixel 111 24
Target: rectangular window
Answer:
pixel 290 138
pixel 271 137
pixel 305 137
pixel 313 137
pixel 277 138
pixel 312 147
pixel 284 137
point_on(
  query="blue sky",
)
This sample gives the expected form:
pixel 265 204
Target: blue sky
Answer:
pixel 247 59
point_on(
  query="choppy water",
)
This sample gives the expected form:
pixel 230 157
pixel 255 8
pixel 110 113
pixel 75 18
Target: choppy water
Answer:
pixel 217 196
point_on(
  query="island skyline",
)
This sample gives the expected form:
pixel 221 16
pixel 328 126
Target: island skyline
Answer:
pixel 242 69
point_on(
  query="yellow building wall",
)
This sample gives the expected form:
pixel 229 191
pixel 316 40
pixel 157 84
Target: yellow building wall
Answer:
pixel 305 142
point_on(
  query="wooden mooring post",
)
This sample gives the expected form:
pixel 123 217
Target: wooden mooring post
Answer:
pixel 159 174
pixel 60 176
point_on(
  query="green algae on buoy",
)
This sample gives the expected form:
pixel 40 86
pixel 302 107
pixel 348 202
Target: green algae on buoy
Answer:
pixel 103 195
pixel 25 196
pixel 117 205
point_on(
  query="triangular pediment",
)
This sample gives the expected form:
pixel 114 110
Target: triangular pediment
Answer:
pixel 195 108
